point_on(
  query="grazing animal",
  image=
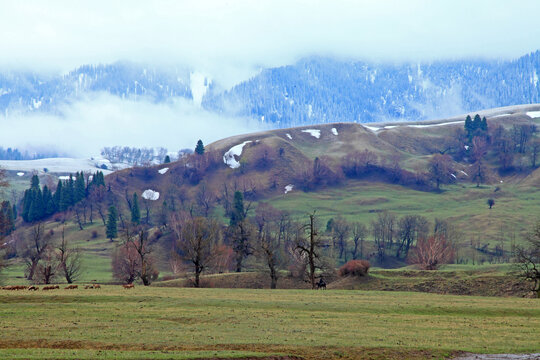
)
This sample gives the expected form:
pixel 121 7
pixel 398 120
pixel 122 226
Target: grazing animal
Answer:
pixel 70 287
pixel 33 288
pixel 96 286
pixel 51 287
pixel 321 285
pixel 15 287
pixel 128 286
pixel 89 287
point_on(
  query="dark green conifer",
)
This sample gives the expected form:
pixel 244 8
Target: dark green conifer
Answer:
pixel 135 211
pixel 199 149
pixel 112 229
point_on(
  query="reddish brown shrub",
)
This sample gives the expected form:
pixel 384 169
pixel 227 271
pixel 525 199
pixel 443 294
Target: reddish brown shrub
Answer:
pixel 355 268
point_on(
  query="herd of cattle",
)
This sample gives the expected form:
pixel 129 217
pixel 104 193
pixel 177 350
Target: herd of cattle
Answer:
pixel 53 287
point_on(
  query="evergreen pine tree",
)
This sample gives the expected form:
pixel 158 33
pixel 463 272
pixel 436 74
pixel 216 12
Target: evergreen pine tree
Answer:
pixel 135 211
pixel 199 149
pixel 80 188
pixel 167 159
pixel 468 125
pixel 483 125
pixel 477 123
pixel 34 182
pixel 14 212
pixel 237 214
pixel 112 229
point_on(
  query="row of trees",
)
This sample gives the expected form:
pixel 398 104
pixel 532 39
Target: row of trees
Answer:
pixel 39 203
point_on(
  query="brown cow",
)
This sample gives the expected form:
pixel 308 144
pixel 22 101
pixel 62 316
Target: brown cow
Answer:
pixel 51 287
pixel 70 287
pixel 33 288
pixel 89 287
pixel 97 286
pixel 128 286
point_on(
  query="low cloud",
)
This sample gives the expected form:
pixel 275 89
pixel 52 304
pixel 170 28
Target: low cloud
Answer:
pixel 86 126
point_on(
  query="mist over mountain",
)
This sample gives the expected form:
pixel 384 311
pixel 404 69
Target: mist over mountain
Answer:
pixel 313 90
pixel 323 90
pixel 28 91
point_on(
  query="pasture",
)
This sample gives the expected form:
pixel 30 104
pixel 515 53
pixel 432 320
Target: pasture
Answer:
pixel 180 323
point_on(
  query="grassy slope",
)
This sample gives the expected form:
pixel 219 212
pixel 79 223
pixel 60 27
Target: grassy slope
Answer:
pixel 317 325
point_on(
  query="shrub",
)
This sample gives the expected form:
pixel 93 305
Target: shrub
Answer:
pixel 94 234
pixel 355 268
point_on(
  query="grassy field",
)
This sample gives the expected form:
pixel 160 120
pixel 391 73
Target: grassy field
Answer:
pixel 216 323
pixel 515 212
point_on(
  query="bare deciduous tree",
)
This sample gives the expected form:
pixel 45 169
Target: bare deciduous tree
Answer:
pixel 34 247
pixel 431 252
pixel 528 259
pixel 309 243
pixel 196 241
pixel 440 169
pixel 359 234
pixel 70 259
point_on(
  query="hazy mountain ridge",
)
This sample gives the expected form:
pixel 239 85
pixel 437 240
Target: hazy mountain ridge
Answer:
pixel 322 90
pixel 313 90
pixel 27 91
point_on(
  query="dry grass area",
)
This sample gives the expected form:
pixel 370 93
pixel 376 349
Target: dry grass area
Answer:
pixel 281 324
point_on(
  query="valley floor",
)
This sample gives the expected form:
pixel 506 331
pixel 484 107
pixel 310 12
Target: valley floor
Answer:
pixel 152 322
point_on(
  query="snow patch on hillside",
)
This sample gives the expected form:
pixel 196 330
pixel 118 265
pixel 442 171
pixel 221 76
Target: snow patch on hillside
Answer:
pixel 313 132
pixel 229 156
pixel 20 174
pixel 150 195
pixel 440 124
pixel 163 171
pixel 372 128
pixel 334 131
pixel 501 115
pixel 57 165
pixel 533 114
pixel 289 136
pixel 288 188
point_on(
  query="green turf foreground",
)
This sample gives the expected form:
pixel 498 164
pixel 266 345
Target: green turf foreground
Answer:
pixel 180 323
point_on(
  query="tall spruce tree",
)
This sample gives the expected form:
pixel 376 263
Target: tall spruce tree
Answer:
pixel 135 210
pixel 167 159
pixel 238 213
pixel 199 149
pixel 79 192
pixel 112 228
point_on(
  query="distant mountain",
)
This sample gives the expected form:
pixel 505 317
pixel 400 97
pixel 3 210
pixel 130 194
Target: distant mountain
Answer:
pixel 321 90
pixel 22 91
pixel 314 90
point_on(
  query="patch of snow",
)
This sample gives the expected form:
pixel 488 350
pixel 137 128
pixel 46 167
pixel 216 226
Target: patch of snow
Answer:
pixel 463 172
pixel 454 176
pixel 289 136
pixel 65 177
pixel 313 132
pixel 228 157
pixel 533 114
pixel 150 195
pixel 501 181
pixel 199 84
pixel 466 147
pixel 501 115
pixel 288 188
pixel 390 127
pixel 54 165
pixel 372 128
pixel 334 131
pixel 37 104
pixel 20 174
pixel 163 171
pixel 432 125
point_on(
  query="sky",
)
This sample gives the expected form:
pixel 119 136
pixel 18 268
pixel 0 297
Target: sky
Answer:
pixel 230 41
